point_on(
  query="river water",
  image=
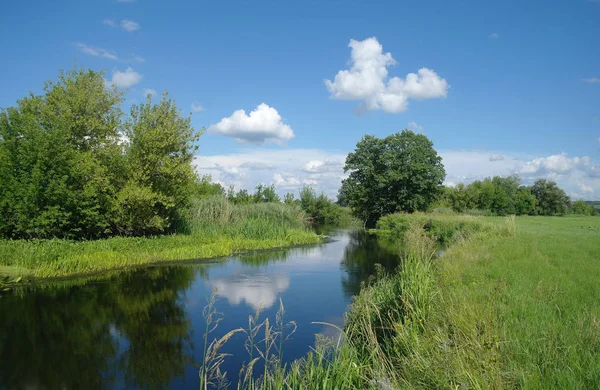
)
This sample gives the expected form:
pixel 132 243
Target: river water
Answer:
pixel 144 328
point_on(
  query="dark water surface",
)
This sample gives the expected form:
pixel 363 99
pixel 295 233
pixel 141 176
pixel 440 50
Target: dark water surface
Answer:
pixel 144 328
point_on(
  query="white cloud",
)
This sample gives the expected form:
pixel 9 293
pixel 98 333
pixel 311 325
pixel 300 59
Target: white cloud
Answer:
pixel 414 126
pixel 96 51
pixel 592 80
pixel 125 79
pixel 494 36
pixel 324 166
pixel 496 157
pixel 196 107
pixel 148 91
pixel 129 25
pixel 110 22
pixel 555 164
pixel 100 52
pixel 257 165
pixel 367 80
pixel 585 188
pixel 286 180
pixel 262 125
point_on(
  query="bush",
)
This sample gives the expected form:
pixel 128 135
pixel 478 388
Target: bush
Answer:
pixel 445 228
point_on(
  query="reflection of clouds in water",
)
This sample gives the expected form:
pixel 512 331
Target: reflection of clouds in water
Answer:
pixel 253 289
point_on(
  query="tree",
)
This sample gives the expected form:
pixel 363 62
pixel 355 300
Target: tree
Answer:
pixel 60 159
pixel 342 196
pixel 581 208
pixel 265 194
pixel 161 176
pixel 551 200
pixel 401 172
pixel 204 187
pixel 288 198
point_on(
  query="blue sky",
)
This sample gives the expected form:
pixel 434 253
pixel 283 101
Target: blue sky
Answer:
pixel 509 87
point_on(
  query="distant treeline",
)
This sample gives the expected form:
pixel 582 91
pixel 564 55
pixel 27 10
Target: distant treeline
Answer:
pixel 505 196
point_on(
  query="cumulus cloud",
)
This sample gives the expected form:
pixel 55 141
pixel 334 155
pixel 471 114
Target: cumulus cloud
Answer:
pixel 496 157
pixel 129 25
pixel 367 80
pixel 262 125
pixel 109 22
pixel 414 126
pixel 196 107
pixel 148 91
pixel 494 36
pixel 125 79
pixel 592 80
pixel 557 164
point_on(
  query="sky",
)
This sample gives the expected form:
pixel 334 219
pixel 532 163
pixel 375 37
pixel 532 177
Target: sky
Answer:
pixel 285 89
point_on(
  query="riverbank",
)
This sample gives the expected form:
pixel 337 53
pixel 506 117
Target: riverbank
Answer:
pixel 214 228
pixel 511 303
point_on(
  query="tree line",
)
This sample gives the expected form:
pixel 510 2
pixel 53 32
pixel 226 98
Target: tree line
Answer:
pixel 403 173
pixel 505 196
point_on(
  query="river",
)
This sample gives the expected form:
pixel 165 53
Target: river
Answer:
pixel 144 328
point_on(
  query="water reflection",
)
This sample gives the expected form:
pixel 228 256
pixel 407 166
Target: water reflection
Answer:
pixel 67 337
pixel 143 328
pixel 257 290
pixel 361 256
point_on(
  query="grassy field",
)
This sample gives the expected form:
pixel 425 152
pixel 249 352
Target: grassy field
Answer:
pixel 213 228
pixel 512 303
pixel 520 312
pixel 508 308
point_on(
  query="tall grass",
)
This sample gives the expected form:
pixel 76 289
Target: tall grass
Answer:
pixel 396 333
pixel 212 228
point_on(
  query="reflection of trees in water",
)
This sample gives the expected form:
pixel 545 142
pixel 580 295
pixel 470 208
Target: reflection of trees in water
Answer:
pixel 262 258
pixel 361 255
pixel 68 337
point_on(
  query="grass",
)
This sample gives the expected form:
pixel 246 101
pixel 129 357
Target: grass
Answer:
pixel 512 303
pixel 213 228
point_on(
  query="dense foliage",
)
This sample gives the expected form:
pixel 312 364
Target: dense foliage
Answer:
pixel 401 172
pixel 505 196
pixel 322 210
pixel 497 195
pixel 72 166
pixel 551 199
